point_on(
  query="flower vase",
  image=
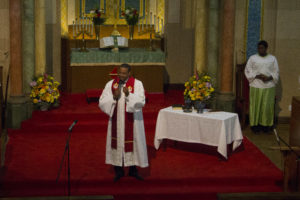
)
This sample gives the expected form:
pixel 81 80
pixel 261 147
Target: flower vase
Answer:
pixel 131 31
pixel 188 103
pixel 97 31
pixel 199 106
pixel 44 107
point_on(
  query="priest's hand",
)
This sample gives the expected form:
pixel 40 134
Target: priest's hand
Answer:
pixel 126 91
pixel 116 94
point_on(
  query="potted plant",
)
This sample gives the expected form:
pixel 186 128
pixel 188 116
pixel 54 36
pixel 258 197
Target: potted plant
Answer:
pixel 198 90
pixel 44 92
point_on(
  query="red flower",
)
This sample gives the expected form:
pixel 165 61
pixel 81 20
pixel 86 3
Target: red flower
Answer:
pixel 98 14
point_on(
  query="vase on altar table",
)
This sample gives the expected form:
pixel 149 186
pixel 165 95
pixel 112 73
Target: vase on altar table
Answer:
pixel 131 32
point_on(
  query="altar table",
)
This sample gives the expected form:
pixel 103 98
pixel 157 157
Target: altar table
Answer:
pixel 90 70
pixel 211 128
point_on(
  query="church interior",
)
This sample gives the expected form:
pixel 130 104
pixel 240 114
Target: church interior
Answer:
pixel 75 47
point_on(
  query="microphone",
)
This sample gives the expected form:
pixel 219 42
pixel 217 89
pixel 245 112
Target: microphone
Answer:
pixel 277 137
pixel 72 125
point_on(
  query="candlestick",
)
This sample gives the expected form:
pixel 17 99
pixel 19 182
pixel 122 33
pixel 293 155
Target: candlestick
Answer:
pixel 73 29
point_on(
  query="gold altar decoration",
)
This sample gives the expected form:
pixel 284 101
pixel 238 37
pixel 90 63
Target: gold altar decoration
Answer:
pixel 157 8
pixel 115 6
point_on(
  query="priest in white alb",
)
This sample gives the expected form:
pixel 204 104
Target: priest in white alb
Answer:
pixel 122 100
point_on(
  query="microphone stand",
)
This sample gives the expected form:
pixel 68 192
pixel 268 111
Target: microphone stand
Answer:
pixel 292 150
pixel 67 151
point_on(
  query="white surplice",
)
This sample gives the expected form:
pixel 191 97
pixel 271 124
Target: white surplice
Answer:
pixel 266 65
pixel 134 104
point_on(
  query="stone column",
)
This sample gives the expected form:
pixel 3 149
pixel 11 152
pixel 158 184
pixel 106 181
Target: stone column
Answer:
pixel 200 35
pixel 226 98
pixel 28 51
pixel 213 41
pixel 15 18
pixel 57 45
pixel 64 18
pixel 227 46
pixel 17 109
pixel 40 37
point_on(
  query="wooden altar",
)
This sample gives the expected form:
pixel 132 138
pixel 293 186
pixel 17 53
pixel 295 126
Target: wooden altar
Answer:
pixel 78 75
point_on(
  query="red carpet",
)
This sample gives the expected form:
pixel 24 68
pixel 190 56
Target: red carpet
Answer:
pixel 184 171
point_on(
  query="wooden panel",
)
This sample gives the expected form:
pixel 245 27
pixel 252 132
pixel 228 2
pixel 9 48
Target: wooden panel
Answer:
pixel 90 77
pixel 295 122
pixel 291 171
pixel 2 98
pixel 242 94
pixel 151 76
pixel 259 196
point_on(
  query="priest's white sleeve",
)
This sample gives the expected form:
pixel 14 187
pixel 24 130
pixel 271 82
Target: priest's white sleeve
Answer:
pixel 275 72
pixel 249 72
pixel 106 101
pixel 136 101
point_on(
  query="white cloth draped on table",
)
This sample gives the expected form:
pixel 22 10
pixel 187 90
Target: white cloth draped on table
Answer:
pixel 213 128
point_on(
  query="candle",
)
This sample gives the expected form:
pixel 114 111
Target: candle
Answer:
pixel 91 22
pixel 86 21
pixel 76 26
pixel 154 23
pixel 162 26
pixel 139 24
pixel 73 29
pixel 143 25
pixel 92 29
pixel 79 24
pixel 83 23
pixel 157 24
pixel 146 20
pixel 150 19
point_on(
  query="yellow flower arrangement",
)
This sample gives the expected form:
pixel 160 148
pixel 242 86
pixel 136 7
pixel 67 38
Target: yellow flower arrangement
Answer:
pixel 44 90
pixel 198 88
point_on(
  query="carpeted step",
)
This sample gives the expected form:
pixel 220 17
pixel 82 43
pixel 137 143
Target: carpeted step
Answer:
pixel 81 126
pixel 38 116
pixel 179 171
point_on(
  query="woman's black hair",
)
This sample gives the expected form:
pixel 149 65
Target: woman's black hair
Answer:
pixel 263 42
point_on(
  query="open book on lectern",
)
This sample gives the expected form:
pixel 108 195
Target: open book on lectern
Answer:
pixel 108 42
